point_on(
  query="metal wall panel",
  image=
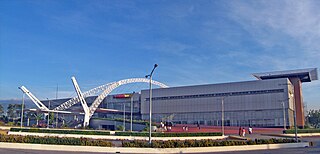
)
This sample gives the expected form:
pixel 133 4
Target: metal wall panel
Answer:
pixel 263 101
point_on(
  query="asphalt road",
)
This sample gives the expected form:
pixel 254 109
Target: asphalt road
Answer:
pixel 315 149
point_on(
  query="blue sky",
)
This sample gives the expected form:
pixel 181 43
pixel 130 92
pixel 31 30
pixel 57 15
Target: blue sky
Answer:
pixel 43 43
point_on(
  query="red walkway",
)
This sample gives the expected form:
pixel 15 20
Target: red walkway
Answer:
pixel 228 130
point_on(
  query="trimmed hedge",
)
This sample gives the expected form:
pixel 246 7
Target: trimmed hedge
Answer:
pixel 200 143
pixel 292 131
pixel 55 140
pixel 145 134
pixel 136 143
pixel 57 131
pixel 142 122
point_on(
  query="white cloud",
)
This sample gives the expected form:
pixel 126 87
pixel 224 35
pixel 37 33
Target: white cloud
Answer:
pixel 266 20
pixel 287 31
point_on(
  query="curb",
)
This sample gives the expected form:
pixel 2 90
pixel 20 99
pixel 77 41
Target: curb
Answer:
pixel 281 135
pixel 238 138
pixel 293 135
pixel 110 137
pixel 149 150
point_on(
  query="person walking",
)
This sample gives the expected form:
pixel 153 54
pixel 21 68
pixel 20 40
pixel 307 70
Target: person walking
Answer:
pixel 243 132
pixel 240 131
pixel 250 130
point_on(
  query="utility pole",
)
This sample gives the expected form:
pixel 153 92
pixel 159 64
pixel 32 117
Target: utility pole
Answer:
pixel 48 114
pixel 150 100
pixel 124 117
pixel 57 115
pixel 222 116
pixel 131 108
pixel 284 116
pixel 22 106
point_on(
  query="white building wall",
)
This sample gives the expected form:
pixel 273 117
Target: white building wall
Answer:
pixel 245 103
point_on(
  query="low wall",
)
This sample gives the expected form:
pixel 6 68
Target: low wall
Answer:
pixel 5 127
pixel 118 137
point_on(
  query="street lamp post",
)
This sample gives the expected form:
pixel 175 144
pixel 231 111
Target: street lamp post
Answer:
pixel 284 116
pixel 22 106
pixel 295 119
pixel 150 100
pixel 294 112
pixel 48 113
pixel 124 117
pixel 284 113
pixel 222 116
pixel 131 110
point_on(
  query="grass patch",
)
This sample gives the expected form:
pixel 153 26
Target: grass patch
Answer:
pixel 90 132
pixel 3 132
pixel 292 131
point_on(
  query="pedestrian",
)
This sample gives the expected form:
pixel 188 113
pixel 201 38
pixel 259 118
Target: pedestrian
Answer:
pixel 186 128
pixel 198 125
pixel 243 132
pixel 250 130
pixel 240 131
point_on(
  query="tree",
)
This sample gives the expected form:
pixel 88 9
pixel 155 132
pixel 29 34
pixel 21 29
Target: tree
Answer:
pixel 38 117
pixel 14 111
pixel 1 109
pixel 2 118
pixel 314 118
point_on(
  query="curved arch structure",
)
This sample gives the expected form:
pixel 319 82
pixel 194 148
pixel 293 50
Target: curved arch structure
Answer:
pixel 114 85
pixel 66 105
pixel 89 111
pixel 107 89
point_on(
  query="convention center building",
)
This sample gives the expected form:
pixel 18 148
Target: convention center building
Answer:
pixel 269 101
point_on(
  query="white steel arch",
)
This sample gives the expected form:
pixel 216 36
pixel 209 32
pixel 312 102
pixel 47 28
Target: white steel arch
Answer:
pixel 114 85
pixel 66 105
pixel 106 87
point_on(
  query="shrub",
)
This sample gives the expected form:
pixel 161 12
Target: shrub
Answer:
pixel 120 127
pixel 145 134
pixel 200 143
pixel 55 140
pixel 292 131
pixel 57 131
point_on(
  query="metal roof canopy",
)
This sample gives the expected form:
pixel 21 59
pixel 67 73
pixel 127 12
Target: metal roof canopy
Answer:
pixel 305 75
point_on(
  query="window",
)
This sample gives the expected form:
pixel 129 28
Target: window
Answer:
pixel 219 94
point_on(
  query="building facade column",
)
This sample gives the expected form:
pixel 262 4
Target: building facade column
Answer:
pixel 298 101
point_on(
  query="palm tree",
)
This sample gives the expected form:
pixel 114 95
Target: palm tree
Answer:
pixel 38 117
pixel 29 116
